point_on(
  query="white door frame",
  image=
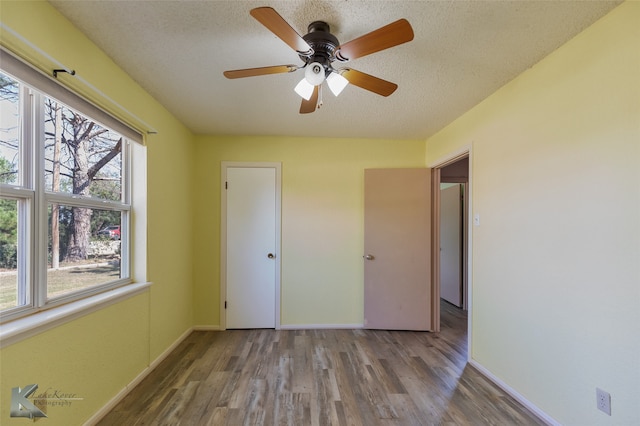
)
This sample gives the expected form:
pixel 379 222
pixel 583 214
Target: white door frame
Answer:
pixel 465 151
pixel 223 233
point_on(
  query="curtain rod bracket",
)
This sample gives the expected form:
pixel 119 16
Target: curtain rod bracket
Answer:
pixel 56 71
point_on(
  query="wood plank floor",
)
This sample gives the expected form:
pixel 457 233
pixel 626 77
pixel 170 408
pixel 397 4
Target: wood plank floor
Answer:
pixel 321 377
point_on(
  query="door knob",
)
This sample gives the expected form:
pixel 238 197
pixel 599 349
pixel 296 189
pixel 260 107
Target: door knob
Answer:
pixel 271 256
pixel 369 257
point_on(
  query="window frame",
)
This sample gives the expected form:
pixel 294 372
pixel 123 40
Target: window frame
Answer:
pixel 33 199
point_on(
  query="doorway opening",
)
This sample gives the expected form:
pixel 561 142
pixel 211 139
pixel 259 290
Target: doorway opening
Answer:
pixel 454 216
pixel 451 242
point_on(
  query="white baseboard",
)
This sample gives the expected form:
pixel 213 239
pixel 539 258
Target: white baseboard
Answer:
pixel 136 381
pixel 514 394
pixel 319 326
pixel 207 328
pixel 170 349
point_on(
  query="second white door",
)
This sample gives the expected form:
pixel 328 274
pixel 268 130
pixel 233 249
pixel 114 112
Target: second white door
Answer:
pixel 251 247
pixel 451 244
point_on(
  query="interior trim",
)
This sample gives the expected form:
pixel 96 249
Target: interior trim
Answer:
pixel 514 394
pixel 207 328
pixel 98 415
pixel 321 326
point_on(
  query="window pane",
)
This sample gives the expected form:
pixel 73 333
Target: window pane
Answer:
pixel 9 129
pixel 81 157
pixel 11 293
pixel 84 248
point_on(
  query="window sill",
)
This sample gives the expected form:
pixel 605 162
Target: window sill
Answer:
pixel 23 328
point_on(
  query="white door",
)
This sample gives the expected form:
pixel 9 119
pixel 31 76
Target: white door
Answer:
pixel 251 247
pixel 397 264
pixel 451 244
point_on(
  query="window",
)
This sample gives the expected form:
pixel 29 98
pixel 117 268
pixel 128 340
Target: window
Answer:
pixel 65 197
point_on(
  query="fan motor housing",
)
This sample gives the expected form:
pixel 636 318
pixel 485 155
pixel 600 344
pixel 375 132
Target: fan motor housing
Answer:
pixel 323 43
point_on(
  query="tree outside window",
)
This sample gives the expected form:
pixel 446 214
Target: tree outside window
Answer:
pixel 84 187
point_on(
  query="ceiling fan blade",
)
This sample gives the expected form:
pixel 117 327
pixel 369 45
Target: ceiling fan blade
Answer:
pixel 369 82
pixel 395 33
pixel 268 17
pixel 310 105
pixel 252 72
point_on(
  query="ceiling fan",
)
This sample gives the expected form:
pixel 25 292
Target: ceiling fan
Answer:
pixel 318 49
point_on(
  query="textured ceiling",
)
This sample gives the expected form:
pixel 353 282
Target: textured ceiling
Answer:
pixel 462 52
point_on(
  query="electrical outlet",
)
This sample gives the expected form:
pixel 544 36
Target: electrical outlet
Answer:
pixel 604 401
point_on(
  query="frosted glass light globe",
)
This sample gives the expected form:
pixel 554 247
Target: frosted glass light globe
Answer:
pixel 314 73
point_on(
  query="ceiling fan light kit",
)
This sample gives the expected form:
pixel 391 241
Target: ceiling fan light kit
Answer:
pixel 318 49
pixel 336 83
pixel 314 73
pixel 304 89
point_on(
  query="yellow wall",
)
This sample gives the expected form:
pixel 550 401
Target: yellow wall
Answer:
pixel 322 220
pixel 99 354
pixel 555 272
pixel 556 258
